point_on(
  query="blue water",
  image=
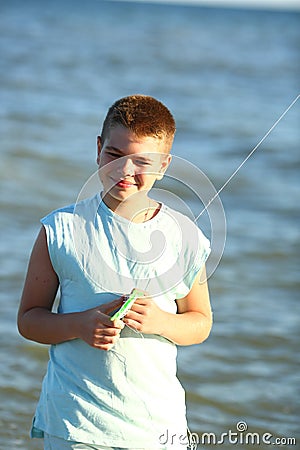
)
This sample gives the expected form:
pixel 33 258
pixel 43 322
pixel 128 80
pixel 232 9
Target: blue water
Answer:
pixel 227 75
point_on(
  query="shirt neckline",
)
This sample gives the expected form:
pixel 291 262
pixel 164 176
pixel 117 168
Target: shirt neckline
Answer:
pixel 110 213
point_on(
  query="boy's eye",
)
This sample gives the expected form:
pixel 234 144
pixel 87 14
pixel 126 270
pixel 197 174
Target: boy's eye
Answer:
pixel 113 154
pixel 137 161
pixel 142 162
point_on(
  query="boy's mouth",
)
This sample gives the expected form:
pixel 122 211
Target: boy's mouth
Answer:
pixel 125 183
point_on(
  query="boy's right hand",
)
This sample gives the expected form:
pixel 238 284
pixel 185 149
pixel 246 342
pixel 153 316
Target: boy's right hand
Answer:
pixel 38 323
pixel 96 327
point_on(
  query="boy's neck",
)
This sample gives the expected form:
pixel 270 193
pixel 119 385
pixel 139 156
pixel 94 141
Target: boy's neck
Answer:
pixel 137 209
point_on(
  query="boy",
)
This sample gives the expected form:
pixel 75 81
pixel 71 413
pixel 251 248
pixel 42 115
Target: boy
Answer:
pixel 112 383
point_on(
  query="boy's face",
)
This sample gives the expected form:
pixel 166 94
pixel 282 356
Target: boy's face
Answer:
pixel 129 165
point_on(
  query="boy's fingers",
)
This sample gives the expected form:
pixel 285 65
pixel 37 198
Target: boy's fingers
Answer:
pixel 117 324
pixel 111 324
pixel 110 307
pixel 142 301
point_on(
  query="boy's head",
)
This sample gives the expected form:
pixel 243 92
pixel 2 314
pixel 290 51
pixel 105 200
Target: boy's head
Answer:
pixel 144 116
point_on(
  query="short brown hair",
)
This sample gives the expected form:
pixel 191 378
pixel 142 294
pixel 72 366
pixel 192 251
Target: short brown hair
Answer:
pixel 143 115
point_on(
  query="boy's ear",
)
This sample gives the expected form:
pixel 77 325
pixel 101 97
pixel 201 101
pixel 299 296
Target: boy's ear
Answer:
pixel 164 165
pixel 99 147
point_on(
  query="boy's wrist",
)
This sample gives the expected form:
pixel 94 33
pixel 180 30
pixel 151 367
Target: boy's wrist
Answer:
pixel 162 324
pixel 75 325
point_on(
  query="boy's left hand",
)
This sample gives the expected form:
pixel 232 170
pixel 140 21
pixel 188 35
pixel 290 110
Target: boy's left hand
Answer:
pixel 145 316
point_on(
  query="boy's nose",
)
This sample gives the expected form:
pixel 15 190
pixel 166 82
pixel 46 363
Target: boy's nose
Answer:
pixel 126 167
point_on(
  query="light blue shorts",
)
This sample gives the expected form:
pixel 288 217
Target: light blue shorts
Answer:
pixel 55 443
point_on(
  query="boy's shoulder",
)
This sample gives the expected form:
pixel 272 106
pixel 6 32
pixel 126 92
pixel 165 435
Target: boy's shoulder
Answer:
pixel 182 217
pixel 68 209
pixel 187 225
pixel 74 208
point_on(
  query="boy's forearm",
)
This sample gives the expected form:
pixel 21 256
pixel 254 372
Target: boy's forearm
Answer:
pixel 43 326
pixel 186 328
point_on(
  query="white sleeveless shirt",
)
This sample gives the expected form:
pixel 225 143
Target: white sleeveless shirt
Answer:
pixel 128 396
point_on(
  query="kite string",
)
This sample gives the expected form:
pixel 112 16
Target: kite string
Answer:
pixel 249 155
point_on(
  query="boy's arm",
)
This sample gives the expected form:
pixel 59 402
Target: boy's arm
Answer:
pixel 191 324
pixel 194 314
pixel 36 322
